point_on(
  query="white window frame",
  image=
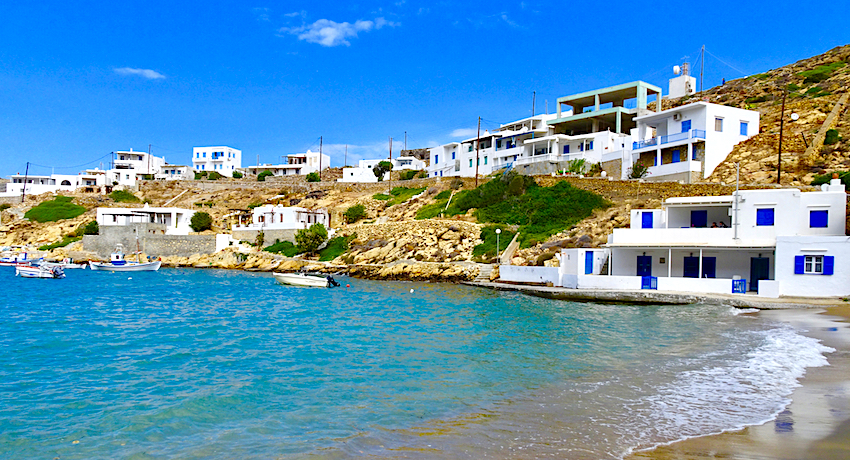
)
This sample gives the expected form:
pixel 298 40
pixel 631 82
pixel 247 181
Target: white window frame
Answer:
pixel 813 265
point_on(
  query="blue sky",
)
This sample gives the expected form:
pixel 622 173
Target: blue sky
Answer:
pixel 79 80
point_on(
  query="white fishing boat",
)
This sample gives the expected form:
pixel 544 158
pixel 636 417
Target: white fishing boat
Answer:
pixel 305 279
pixel 117 263
pixel 31 271
pixel 64 263
pixel 16 259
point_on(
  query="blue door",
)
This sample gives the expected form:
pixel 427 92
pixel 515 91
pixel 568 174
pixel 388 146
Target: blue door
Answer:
pixel 709 267
pixel 691 267
pixel 686 126
pixel 588 263
pixel 677 156
pixel 646 219
pixel 699 219
pixel 644 265
pixel 759 270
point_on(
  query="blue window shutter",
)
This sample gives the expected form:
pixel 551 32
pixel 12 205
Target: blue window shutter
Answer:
pixel 686 126
pixel 828 265
pixel 677 157
pixel 436 158
pixel 743 128
pixel 590 147
pixel 566 149
pixel 764 217
pixel 799 263
pixel 819 219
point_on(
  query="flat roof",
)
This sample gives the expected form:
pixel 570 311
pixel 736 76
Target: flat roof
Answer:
pixel 609 94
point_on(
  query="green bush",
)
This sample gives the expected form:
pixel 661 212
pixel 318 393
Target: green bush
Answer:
pixel 213 175
pixel 354 213
pixel 200 175
pixel 444 195
pixel 638 171
pixel 65 241
pixel 200 221
pixel 336 247
pixel 255 204
pixel 761 76
pixel 486 251
pixel 411 173
pixel 313 177
pixel 832 137
pixel 262 176
pixel 237 175
pixel 91 228
pixel 309 239
pixel 820 73
pixel 123 196
pixel 825 178
pixel 57 209
pixel 5 206
pixel 283 247
pixel 398 195
pixel 792 87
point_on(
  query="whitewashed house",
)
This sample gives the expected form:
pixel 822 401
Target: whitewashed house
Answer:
pixel 279 217
pixel 296 164
pixel 221 159
pixel 175 172
pixel 364 170
pixel 131 166
pixel 175 221
pixel 771 242
pixel 36 185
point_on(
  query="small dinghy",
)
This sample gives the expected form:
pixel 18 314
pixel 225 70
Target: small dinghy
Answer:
pixel 306 279
pixel 29 271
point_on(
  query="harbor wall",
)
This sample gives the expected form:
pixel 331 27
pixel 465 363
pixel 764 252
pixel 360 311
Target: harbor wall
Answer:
pixel 151 241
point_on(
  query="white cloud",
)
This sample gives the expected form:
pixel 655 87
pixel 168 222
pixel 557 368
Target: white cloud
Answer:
pixel 330 33
pixel 146 73
pixel 508 20
pixel 261 14
pixel 464 132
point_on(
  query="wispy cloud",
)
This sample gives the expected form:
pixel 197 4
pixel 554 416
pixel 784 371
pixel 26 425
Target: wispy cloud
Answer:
pixel 508 20
pixel 261 14
pixel 464 132
pixel 330 33
pixel 145 73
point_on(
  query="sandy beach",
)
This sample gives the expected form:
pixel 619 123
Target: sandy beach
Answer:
pixel 816 425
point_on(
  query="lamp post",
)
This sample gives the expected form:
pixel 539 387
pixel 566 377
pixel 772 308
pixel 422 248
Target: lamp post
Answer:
pixel 498 232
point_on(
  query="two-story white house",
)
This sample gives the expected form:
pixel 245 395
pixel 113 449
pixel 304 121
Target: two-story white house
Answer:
pixel 131 166
pixel 221 159
pixel 174 221
pixel 364 170
pixel 296 164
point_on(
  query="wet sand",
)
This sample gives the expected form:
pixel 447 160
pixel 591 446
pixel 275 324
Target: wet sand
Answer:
pixel 816 425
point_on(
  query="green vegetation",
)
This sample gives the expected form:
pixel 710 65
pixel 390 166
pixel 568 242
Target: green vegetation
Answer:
pixel 309 239
pixel 255 204
pixel 57 209
pixel 381 169
pixel 213 175
pixel 576 166
pixel 638 171
pixel 66 240
pixel 486 251
pixel 411 173
pixel 792 87
pixel 123 196
pixel 832 137
pixel 761 76
pixel 816 91
pixel 444 195
pixel 200 221
pixel 756 99
pixel 313 177
pixel 91 228
pixel 262 176
pixel 336 247
pixel 237 175
pixel 283 247
pixel 354 213
pixel 398 195
pixel 5 206
pixel 825 178
pixel 820 73
pixel 200 175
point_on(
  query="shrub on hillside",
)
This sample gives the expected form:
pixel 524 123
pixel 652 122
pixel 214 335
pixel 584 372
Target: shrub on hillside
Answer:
pixel 200 221
pixel 237 175
pixel 412 173
pixel 354 213
pixel 313 177
pixel 58 208
pixel 825 178
pixel 336 247
pixel 213 175
pixel 309 239
pixel 283 247
pixel 200 175
pixel 5 206
pixel 832 137
pixel 262 176
pixel 65 241
pixel 820 73
pixel 486 251
pixel 444 195
pixel 123 196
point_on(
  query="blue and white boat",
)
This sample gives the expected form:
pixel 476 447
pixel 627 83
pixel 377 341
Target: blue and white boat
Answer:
pixel 31 271
pixel 118 263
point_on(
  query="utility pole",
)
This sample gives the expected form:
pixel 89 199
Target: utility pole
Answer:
pixel 781 126
pixel 533 102
pixel 320 158
pixel 149 159
pixel 389 188
pixel 477 147
pixel 405 140
pixel 26 176
pixel 345 162
pixel 701 67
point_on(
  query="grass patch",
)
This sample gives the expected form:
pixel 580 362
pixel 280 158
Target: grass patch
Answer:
pixel 336 247
pixel 432 210
pixel 398 195
pixel 66 240
pixel 486 251
pixel 825 178
pixel 820 73
pixel 757 99
pixel 444 195
pixel 123 196
pixel 286 248
pixel 57 209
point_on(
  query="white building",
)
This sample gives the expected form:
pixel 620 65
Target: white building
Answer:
pixel 296 164
pixel 771 242
pixel 36 185
pixel 132 166
pixel 175 172
pixel 364 170
pixel 176 220
pixel 221 159
pixel 278 217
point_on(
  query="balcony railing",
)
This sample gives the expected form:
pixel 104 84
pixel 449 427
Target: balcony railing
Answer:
pixel 692 134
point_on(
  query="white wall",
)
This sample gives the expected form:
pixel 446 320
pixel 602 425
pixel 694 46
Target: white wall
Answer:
pixel 202 159
pixel 813 285
pixel 522 274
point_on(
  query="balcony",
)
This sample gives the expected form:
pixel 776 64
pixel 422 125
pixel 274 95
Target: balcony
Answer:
pixel 669 138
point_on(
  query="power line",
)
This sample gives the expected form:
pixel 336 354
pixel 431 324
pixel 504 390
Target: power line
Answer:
pixel 72 167
pixel 729 65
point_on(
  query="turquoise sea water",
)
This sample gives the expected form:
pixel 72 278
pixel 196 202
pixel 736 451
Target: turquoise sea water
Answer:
pixel 187 363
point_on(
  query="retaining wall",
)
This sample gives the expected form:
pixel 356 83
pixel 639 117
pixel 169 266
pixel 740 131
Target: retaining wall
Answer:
pixel 151 241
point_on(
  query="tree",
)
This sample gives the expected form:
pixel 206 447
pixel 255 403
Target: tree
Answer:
pixel 200 221
pixel 381 169
pixel 313 177
pixel 309 239
pixel 262 176
pixel 354 213
pixel 237 175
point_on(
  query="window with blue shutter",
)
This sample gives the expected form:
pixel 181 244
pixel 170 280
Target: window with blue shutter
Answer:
pixel 453 155
pixel 470 162
pixel 819 219
pixel 566 149
pixel 764 217
pixel 744 126
pixel 436 159
pixel 686 126
pixel 677 157
pixel 799 264
pixel 590 146
pixel 828 265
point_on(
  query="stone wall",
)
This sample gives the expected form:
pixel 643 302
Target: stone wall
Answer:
pixel 151 241
pixel 297 184
pixel 614 168
pixel 541 168
pixel 269 236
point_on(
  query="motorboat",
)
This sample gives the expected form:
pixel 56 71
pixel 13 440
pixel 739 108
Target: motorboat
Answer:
pixel 305 279
pixel 64 263
pixel 16 260
pixel 32 271
pixel 117 263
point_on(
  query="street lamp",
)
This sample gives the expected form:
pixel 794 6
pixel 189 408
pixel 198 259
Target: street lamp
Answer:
pixel 498 232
